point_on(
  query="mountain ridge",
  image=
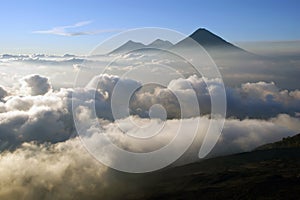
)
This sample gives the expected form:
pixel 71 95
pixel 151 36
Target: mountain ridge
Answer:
pixel 288 142
pixel 127 47
pixel 248 175
pixel 158 43
pixel 202 36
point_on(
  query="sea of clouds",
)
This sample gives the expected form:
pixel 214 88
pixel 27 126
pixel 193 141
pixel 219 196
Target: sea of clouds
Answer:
pixel 42 156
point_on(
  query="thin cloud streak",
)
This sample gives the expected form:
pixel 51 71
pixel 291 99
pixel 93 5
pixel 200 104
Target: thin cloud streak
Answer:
pixel 63 30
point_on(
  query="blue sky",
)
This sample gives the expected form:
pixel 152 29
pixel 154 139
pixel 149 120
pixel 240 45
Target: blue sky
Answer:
pixel 234 20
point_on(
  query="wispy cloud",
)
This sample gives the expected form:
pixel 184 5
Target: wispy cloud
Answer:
pixel 65 30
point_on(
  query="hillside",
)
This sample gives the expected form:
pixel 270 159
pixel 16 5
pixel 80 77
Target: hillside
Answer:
pixel 264 174
pixel 289 142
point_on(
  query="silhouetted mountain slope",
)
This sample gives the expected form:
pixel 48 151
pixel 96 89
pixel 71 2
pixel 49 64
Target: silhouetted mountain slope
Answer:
pixel 289 142
pixel 131 45
pixel 209 41
pixel 165 44
pixel 235 64
pixel 217 47
pixel 128 46
pixel 207 38
pixel 266 174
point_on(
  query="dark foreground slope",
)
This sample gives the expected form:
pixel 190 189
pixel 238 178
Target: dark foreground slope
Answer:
pixel 267 174
pixel 261 174
pixel 289 142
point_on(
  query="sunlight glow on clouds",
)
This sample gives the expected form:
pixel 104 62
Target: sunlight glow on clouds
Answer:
pixel 41 124
pixel 45 115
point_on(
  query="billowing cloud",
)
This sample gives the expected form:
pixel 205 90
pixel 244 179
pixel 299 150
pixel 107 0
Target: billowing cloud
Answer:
pixel 37 131
pixel 46 115
pixel 245 135
pixel 3 93
pixel 261 100
pixel 61 171
pixel 252 100
pixel 237 135
pixel 35 118
pixel 66 171
pixel 35 85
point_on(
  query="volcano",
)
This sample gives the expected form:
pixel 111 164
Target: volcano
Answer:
pixel 209 41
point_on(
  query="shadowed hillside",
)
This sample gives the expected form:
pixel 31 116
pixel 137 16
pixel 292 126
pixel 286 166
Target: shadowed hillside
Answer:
pixel 264 174
pixel 289 142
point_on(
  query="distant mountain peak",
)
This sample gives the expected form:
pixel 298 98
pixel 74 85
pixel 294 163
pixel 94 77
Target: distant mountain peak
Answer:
pixel 132 45
pixel 202 29
pixel 207 38
pixel 128 46
pixel 158 43
pixel 210 42
pixel 202 36
pixel 132 42
pixel 159 40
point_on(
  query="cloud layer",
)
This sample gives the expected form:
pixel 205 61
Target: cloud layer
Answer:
pixel 61 171
pixel 37 130
pixel 45 115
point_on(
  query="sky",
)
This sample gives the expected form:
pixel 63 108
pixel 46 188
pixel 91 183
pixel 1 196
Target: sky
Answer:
pixel 31 26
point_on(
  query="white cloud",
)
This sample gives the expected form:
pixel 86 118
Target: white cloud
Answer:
pixel 38 134
pixel 63 30
pixel 47 117
pixel 247 134
pixel 66 171
pixel 261 100
pixel 3 93
pixel 60 171
pixel 285 120
pixel 35 85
